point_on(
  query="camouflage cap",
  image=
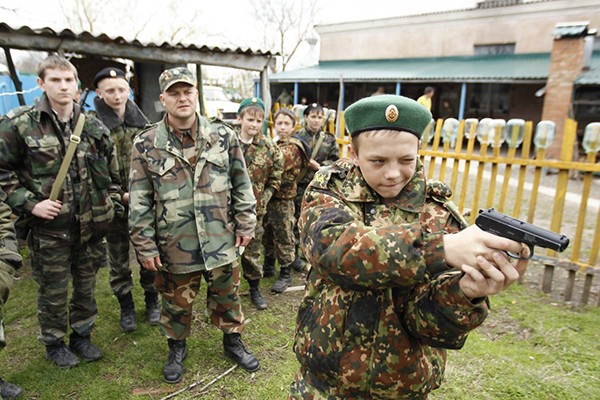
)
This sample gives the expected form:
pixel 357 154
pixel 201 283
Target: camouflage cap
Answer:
pixel 109 72
pixel 387 112
pixel 251 101
pixel 175 75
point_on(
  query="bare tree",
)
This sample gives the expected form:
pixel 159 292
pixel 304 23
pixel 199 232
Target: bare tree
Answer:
pixel 286 25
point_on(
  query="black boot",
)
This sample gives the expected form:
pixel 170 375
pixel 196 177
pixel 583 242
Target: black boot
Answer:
pixel 255 295
pixel 61 356
pixel 285 280
pixel 83 346
pixel 152 308
pixel 299 264
pixel 236 349
pixel 9 390
pixel 173 369
pixel 269 266
pixel 127 321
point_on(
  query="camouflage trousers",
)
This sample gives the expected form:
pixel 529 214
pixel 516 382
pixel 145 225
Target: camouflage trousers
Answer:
pixel 56 256
pixel 251 264
pixel 178 292
pixel 298 208
pixel 302 390
pixel 6 282
pixel 117 246
pixel 278 238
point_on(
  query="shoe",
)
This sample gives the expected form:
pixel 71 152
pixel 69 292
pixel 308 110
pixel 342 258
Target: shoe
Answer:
pixel 284 281
pixel 127 321
pixel 173 369
pixel 268 267
pixel 9 390
pixel 236 349
pixel 152 308
pixel 83 346
pixel 299 265
pixel 61 356
pixel 255 295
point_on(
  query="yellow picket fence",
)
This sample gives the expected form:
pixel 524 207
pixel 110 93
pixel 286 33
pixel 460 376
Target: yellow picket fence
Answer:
pixel 504 166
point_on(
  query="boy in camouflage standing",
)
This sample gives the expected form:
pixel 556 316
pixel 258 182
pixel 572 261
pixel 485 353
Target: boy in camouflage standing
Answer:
pixel 394 281
pixel 125 121
pixel 10 259
pixel 264 162
pixel 280 220
pixel 66 234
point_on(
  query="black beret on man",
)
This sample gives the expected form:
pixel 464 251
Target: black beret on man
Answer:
pixel 110 72
pixel 389 112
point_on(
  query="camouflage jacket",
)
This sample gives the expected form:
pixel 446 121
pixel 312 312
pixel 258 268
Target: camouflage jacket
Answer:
pixel 189 214
pixel 294 159
pixel 9 253
pixel 380 305
pixel 122 133
pixel 265 166
pixel 328 153
pixel 33 147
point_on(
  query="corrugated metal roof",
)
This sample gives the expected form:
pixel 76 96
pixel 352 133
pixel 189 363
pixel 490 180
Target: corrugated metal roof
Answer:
pixel 87 36
pixel 592 75
pixel 499 68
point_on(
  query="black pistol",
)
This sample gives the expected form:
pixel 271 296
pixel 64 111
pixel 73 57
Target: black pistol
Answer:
pixel 511 228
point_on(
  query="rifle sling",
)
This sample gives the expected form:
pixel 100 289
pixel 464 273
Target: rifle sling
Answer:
pixel 64 166
pixel 313 154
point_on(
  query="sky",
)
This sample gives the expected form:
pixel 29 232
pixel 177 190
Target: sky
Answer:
pixel 230 21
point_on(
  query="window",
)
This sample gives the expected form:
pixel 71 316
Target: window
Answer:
pixel 494 49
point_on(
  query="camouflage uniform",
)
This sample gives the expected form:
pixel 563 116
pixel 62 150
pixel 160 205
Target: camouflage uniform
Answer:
pixel 381 305
pixel 33 143
pixel 265 166
pixel 328 153
pixel 280 220
pixel 190 215
pixel 117 240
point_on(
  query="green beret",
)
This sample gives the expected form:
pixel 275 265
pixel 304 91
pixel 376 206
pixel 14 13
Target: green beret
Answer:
pixel 251 101
pixel 387 112
pixel 109 72
pixel 175 75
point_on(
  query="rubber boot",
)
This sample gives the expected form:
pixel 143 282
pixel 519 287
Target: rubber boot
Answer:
pixel 236 349
pixel 152 308
pixel 173 369
pixel 284 281
pixel 255 295
pixel 127 321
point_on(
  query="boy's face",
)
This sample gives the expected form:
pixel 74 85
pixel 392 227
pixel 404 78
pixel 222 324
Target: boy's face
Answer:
pixel 114 92
pixel 314 120
pixel 250 124
pixel 60 85
pixel 284 126
pixel 387 160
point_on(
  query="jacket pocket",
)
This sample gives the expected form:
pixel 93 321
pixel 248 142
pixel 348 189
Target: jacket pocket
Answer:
pixel 45 156
pixel 98 168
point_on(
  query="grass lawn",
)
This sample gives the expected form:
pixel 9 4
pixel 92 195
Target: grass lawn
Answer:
pixel 529 348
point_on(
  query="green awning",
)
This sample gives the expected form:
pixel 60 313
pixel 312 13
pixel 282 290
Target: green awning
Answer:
pixel 591 76
pixel 517 68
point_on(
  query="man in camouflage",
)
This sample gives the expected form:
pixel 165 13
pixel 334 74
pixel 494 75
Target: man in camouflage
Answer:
pixel 66 233
pixel 323 151
pixel 191 210
pixel 280 220
pixel 265 165
pixel 125 121
pixel 10 259
pixel 386 295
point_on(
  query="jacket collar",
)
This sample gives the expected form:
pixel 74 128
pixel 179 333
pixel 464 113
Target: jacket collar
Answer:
pixel 133 115
pixel 204 134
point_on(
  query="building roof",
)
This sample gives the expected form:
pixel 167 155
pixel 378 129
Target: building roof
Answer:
pixel 513 68
pixel 499 68
pixel 47 39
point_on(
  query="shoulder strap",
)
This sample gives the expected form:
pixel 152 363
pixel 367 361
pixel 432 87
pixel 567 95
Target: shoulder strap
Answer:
pixel 64 166
pixel 313 154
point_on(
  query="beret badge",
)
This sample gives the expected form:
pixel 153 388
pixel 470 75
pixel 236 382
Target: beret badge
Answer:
pixel 391 113
pixel 113 73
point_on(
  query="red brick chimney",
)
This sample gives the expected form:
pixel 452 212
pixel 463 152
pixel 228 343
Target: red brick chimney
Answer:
pixel 566 64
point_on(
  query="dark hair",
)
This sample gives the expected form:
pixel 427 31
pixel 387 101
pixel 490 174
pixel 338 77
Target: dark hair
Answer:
pixel 429 89
pixel 55 62
pixel 313 107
